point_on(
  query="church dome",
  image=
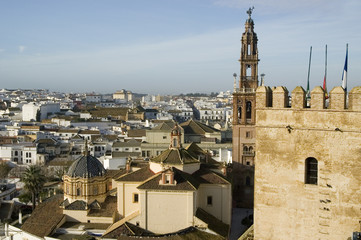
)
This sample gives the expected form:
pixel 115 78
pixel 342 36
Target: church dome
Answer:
pixel 86 167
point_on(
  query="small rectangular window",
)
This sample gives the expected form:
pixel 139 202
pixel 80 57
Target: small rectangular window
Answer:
pixel 209 200
pixel 164 137
pixel 135 197
pixel 248 134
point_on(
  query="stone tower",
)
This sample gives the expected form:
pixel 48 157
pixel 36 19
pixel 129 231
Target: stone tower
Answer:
pixel 244 103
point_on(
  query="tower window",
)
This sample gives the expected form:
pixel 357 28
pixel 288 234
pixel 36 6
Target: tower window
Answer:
pixel 311 171
pixel 78 191
pixel 248 49
pixel 248 110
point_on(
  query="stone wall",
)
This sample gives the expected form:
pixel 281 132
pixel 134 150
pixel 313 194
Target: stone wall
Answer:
pixel 285 206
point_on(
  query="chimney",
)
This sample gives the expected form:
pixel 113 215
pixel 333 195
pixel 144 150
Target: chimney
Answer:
pixel 127 165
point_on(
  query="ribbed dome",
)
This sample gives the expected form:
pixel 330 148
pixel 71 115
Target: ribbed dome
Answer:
pixel 86 167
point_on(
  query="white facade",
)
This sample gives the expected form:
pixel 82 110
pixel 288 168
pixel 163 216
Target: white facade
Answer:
pixel 29 111
pixel 48 109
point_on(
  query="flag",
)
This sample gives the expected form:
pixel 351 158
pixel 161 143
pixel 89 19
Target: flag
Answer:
pixel 324 79
pixel 344 73
pixel 324 87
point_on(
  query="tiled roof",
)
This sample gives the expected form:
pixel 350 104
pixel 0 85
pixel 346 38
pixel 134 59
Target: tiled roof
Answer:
pixel 86 166
pixel 190 233
pixel 125 154
pixel 168 126
pixel 105 112
pixel 94 132
pixel 184 182
pixel 77 205
pixel 137 176
pixel 198 128
pixel 63 130
pixel 48 141
pixel 41 223
pixel 207 176
pixel 131 143
pixel 175 156
pixel 136 133
pixel 129 230
pixel 195 150
pixel 115 173
pixel 107 208
pixel 214 223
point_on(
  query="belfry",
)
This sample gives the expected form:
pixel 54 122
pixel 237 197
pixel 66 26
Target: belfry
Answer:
pixel 244 114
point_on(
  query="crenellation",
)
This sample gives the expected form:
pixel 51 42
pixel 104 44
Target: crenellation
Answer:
pixel 337 98
pixel 280 97
pixel 298 98
pixel 263 98
pixel 354 101
pixel 277 97
pixel 318 98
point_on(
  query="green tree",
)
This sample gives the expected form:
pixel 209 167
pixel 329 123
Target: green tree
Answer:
pixel 4 170
pixel 33 180
pixel 25 197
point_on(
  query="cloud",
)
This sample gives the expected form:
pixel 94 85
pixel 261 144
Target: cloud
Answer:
pixel 22 48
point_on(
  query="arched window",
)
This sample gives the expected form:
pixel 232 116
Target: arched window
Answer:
pixel 250 149
pixel 78 191
pixel 239 112
pixel 248 110
pixel 311 171
pixel 245 149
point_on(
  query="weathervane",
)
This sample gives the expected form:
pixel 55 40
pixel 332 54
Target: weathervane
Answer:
pixel 249 12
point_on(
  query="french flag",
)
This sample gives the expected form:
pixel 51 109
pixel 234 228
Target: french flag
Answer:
pixel 344 74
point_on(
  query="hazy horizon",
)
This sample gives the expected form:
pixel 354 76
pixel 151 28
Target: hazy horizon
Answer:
pixel 172 47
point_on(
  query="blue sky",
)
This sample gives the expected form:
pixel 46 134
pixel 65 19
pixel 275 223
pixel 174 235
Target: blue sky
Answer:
pixel 172 46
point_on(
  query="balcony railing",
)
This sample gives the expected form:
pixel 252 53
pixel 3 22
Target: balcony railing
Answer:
pixel 248 153
pixel 245 90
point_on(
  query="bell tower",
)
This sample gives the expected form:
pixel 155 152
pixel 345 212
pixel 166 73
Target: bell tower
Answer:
pixel 249 57
pixel 244 116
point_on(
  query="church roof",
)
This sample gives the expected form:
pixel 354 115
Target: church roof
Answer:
pixel 184 182
pixel 175 156
pixel 206 176
pixel 86 166
pixel 137 176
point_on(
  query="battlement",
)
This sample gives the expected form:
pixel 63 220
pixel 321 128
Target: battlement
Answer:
pixel 277 98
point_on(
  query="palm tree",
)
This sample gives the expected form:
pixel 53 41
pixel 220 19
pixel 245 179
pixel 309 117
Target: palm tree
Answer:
pixel 33 180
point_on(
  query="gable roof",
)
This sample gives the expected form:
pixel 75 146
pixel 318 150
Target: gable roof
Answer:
pixel 165 126
pixel 136 133
pixel 137 176
pixel 214 223
pixel 175 156
pixel 198 128
pixel 184 182
pixel 207 176
pixel 41 223
pixel 130 143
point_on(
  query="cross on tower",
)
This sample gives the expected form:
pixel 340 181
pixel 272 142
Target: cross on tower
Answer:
pixel 249 12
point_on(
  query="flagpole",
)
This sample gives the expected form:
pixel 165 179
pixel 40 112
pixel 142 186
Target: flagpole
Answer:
pixel 308 77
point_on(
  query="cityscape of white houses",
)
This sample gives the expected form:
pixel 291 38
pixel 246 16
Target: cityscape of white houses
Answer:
pixel 47 126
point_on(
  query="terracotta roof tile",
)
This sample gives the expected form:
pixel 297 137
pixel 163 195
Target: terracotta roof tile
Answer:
pixel 184 182
pixel 137 176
